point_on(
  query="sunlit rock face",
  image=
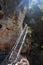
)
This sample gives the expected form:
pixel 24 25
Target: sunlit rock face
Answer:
pixel 23 62
pixel 11 22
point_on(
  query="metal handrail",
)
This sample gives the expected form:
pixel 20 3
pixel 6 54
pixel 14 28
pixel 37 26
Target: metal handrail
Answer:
pixel 20 48
pixel 22 35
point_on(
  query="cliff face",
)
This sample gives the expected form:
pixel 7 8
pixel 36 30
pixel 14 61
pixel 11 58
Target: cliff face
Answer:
pixel 11 22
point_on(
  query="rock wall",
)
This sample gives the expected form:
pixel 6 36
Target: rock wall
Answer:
pixel 10 23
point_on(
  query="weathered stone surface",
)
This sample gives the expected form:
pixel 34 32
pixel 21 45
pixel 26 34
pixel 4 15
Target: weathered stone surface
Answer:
pixel 10 23
pixel 23 62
